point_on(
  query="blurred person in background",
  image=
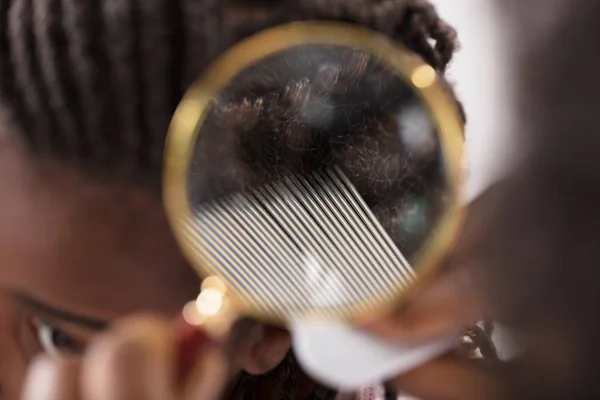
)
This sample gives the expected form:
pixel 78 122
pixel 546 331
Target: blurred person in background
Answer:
pixel 530 254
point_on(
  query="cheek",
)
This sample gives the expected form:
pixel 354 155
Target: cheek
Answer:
pixel 13 355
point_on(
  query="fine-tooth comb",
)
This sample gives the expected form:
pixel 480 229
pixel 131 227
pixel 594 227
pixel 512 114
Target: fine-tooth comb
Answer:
pixel 302 246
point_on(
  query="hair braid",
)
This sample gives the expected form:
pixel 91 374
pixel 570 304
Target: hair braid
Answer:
pixel 422 26
pixel 481 337
pixel 477 342
pixel 96 81
pixel 27 77
pixel 6 69
pixel 153 56
pixel 55 70
pixel 81 27
pixel 415 23
pixel 120 35
pixel 204 29
pixel 287 379
pixel 247 387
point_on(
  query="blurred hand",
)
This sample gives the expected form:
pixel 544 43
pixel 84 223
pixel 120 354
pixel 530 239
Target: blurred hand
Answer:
pixel 138 359
pixel 449 305
pixel 452 378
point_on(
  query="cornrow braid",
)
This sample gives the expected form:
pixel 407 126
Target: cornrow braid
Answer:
pixel 95 82
pixel 415 23
pixel 57 75
pixel 477 342
pixel 421 27
pixel 28 93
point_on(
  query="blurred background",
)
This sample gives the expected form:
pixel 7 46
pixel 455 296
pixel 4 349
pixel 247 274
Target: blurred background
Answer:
pixel 480 72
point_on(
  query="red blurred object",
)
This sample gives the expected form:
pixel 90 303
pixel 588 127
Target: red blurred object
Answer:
pixel 192 341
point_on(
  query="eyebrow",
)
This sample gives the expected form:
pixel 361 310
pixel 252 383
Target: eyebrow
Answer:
pixel 59 314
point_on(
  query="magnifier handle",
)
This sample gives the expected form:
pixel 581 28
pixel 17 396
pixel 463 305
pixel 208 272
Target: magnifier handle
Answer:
pixel 341 356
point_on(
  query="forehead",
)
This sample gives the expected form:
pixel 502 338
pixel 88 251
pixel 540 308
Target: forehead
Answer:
pixel 63 234
pixel 40 197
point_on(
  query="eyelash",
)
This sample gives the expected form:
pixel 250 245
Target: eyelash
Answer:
pixel 50 338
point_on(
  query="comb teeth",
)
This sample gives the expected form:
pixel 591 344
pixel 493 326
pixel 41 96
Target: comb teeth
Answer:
pixel 302 246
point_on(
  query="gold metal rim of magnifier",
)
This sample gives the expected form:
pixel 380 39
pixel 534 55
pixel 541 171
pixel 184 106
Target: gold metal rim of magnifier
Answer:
pixel 194 107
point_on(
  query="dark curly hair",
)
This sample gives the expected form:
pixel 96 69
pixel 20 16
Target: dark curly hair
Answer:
pixel 94 83
pixel 310 108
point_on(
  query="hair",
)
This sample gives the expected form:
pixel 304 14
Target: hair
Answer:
pixel 312 108
pixel 93 84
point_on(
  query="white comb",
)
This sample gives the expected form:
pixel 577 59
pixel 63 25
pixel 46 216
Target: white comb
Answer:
pixel 309 250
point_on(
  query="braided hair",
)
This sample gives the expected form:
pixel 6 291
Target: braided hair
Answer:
pixel 93 83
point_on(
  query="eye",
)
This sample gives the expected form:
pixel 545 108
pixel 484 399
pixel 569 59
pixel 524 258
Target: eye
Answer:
pixel 56 342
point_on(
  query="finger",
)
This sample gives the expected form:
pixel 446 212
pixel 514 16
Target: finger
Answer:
pixel 448 378
pixel 202 369
pixel 449 304
pixel 49 379
pixel 446 307
pixel 134 361
pixel 209 377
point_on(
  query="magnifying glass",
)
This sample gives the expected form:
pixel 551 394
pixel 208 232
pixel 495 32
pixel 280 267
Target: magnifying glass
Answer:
pixel 312 179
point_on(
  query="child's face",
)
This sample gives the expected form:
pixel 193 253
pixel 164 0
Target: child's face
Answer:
pixel 74 256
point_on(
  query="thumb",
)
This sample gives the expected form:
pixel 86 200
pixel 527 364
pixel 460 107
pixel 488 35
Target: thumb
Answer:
pixel 449 378
pixel 208 378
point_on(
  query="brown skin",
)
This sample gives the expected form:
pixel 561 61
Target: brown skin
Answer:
pixel 78 255
pixel 450 304
pixel 134 361
pixel 69 245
